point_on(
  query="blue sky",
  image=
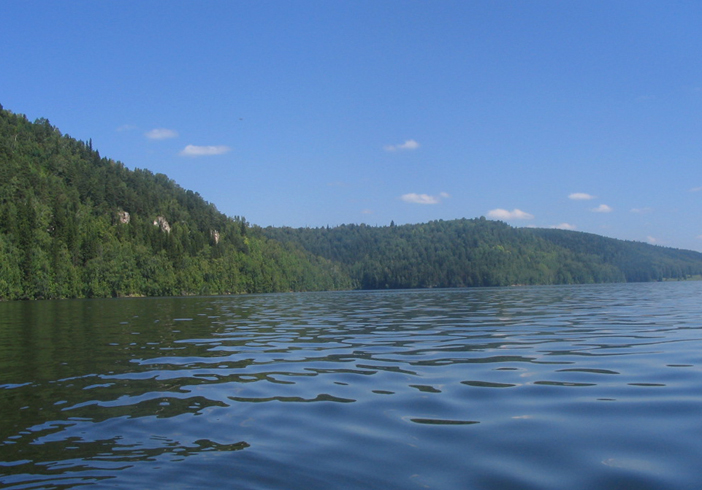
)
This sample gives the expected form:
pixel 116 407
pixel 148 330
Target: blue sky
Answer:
pixel 577 114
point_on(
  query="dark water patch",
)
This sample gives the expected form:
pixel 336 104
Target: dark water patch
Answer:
pixel 426 389
pixel 586 370
pixel 486 384
pixel 562 383
pixel 443 421
pixel 295 399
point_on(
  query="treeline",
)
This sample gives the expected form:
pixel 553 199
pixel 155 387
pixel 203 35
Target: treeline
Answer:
pixel 74 224
pixel 638 262
pixel 478 252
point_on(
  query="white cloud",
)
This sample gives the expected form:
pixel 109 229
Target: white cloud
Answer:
pixel 407 145
pixel 564 226
pixel 696 189
pixel 651 239
pixel 161 134
pixel 642 210
pixel 419 198
pixel 367 211
pixel 602 208
pixel 198 151
pixel 424 198
pixel 581 196
pixel 509 215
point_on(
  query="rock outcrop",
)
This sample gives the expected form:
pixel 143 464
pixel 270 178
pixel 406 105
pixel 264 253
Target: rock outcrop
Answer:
pixel 163 224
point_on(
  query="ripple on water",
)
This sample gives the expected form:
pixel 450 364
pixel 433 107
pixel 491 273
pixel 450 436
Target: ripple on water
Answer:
pixel 549 388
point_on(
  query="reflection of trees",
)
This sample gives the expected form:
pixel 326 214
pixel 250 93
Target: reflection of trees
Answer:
pixel 75 370
pixel 88 461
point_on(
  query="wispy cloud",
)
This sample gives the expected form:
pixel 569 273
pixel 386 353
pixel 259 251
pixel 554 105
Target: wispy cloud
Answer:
pixel 564 226
pixel 407 145
pixel 651 240
pixel 642 210
pixel 696 189
pixel 420 198
pixel 509 215
pixel 199 151
pixel 602 208
pixel 161 134
pixel 126 127
pixel 581 196
pixel 424 198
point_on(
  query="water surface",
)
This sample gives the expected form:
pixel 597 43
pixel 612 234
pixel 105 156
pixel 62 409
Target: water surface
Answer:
pixel 575 387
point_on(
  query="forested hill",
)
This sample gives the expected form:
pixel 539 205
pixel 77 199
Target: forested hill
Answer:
pixel 478 252
pixel 75 224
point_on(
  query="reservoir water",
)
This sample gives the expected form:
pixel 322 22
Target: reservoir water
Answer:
pixel 577 387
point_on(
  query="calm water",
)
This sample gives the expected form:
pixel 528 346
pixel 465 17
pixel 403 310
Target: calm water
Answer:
pixel 547 387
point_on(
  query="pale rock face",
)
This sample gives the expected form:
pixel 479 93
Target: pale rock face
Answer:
pixel 163 224
pixel 215 235
pixel 124 217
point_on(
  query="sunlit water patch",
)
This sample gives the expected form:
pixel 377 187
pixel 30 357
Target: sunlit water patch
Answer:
pixel 545 387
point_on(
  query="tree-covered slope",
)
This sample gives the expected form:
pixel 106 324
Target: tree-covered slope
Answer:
pixel 479 252
pixel 638 262
pixel 74 224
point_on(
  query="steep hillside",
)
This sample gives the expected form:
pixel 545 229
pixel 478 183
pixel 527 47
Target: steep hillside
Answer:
pixel 75 224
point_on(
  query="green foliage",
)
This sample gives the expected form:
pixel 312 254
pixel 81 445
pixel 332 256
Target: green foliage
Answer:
pixel 74 224
pixel 637 262
pixel 478 252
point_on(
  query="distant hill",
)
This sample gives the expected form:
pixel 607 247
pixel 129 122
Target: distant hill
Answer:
pixel 74 224
pixel 478 252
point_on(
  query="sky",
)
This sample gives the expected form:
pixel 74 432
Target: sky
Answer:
pixel 580 114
